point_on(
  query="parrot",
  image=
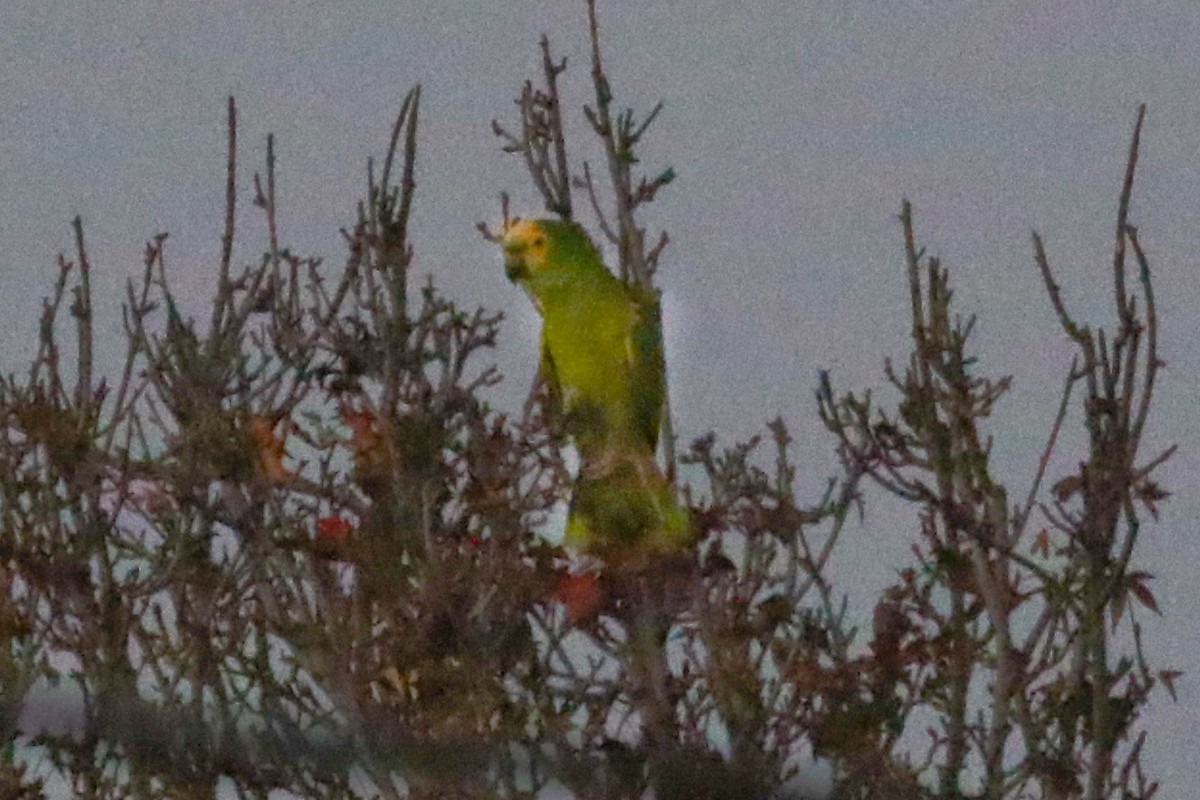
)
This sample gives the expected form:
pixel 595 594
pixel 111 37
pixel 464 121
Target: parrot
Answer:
pixel 602 363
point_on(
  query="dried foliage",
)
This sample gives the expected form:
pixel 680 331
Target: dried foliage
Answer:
pixel 297 549
pixel 1011 634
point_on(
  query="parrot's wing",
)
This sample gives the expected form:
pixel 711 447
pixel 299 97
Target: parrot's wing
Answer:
pixel 549 377
pixel 647 373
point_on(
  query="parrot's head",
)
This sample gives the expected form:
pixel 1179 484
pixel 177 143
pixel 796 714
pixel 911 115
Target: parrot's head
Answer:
pixel 526 245
pixel 544 251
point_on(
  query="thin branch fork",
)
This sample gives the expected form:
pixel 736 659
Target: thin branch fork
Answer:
pixel 541 142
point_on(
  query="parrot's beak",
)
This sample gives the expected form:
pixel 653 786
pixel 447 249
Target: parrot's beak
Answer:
pixel 514 262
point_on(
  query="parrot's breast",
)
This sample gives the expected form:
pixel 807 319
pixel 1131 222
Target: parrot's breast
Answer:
pixel 589 346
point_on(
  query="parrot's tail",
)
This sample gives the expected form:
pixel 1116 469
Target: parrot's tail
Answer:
pixel 623 507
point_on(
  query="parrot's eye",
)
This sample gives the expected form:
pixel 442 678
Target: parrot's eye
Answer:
pixel 538 242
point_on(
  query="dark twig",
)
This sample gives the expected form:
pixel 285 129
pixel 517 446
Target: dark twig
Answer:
pixel 220 307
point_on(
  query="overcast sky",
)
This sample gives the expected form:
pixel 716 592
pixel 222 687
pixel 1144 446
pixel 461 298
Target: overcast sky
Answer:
pixel 795 128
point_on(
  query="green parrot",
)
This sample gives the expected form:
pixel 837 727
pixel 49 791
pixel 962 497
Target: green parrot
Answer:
pixel 602 361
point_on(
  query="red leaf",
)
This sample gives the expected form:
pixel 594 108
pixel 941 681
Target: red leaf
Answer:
pixel 334 528
pixel 581 594
pixel 1168 676
pixel 1138 586
pixel 334 538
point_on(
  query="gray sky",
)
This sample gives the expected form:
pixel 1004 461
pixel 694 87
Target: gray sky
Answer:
pixel 795 129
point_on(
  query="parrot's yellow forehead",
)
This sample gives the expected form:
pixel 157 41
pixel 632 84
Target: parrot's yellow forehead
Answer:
pixel 524 243
pixel 520 230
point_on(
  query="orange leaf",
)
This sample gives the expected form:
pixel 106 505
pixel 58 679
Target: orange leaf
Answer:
pixel 364 430
pixel 1042 543
pixel 271 447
